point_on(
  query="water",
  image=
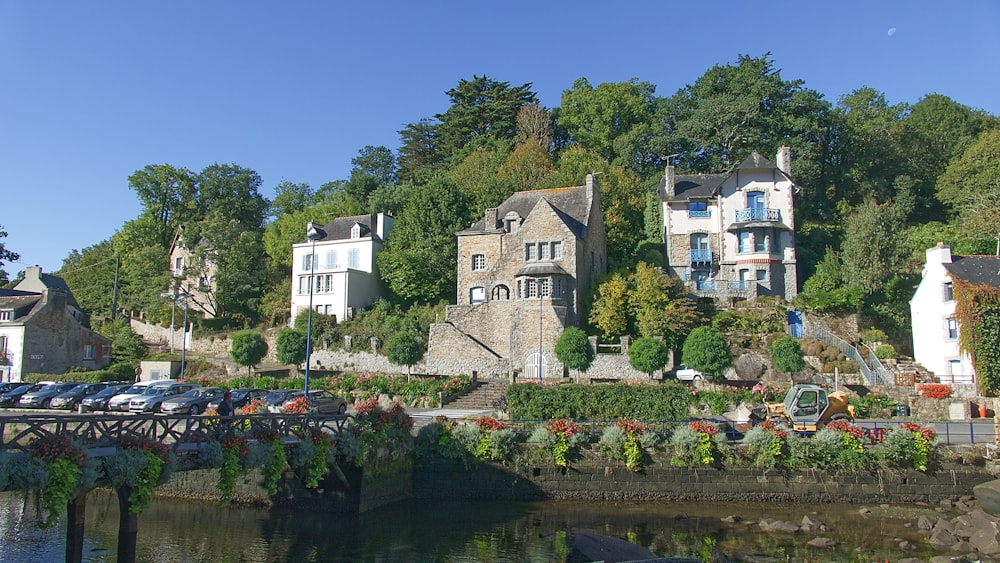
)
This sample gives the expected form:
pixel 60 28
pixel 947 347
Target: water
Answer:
pixel 173 531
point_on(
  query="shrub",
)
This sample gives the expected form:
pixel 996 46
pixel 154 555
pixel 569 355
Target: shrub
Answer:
pixel 819 451
pixel 766 445
pixel 531 401
pixel 872 405
pixel 560 437
pixel 885 352
pixel 695 444
pixel 910 446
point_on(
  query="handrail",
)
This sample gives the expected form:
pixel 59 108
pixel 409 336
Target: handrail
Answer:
pixel 876 377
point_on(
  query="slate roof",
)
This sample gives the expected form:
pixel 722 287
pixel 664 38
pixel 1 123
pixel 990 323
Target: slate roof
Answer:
pixel 340 228
pixel 703 186
pixel 977 270
pixel 569 203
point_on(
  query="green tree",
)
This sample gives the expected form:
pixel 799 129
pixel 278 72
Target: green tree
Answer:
pixel 290 346
pixel 404 349
pixel 973 179
pixel 872 249
pixel 5 256
pixel 126 345
pixel 648 355
pixel 534 126
pixel 607 312
pixel 290 197
pixel 573 349
pixel 481 107
pixel 233 257
pixel 90 275
pixel 233 192
pixel 786 355
pixel 248 348
pixel 419 260
pixel 419 149
pixel 707 351
pixel 477 175
pixel 167 195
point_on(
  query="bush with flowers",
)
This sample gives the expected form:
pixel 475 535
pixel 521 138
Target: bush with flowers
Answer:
pixel 852 455
pixel 276 462
pixel 140 465
pixel 312 454
pixel 64 462
pixel 766 445
pixel 935 390
pixel 560 437
pixel 234 449
pixel 626 441
pixel 911 446
pixel 696 443
pixel 298 405
pixel 256 406
pixel 377 425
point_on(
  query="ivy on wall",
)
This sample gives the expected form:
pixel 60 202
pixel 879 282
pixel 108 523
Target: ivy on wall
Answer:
pixel 977 307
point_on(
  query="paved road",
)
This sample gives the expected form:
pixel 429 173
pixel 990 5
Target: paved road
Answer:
pixel 949 433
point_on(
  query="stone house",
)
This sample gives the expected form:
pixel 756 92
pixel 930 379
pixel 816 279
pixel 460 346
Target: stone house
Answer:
pixel 731 236
pixel 932 311
pixel 523 272
pixel 193 275
pixel 339 258
pixel 43 330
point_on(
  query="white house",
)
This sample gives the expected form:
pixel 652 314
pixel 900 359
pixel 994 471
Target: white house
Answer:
pixel 194 276
pixel 932 311
pixel 732 235
pixel 339 257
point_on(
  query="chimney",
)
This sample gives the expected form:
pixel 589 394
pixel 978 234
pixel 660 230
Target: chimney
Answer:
pixel 383 224
pixel 784 160
pixel 668 187
pixel 491 218
pixel 940 254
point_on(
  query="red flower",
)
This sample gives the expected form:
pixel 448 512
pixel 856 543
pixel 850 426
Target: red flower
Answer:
pixel 928 433
pixel 935 390
pixel 632 427
pixel 561 427
pixel 489 424
pixel 703 427
pixel 847 428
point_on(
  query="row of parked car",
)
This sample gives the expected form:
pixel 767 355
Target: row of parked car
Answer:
pixel 164 396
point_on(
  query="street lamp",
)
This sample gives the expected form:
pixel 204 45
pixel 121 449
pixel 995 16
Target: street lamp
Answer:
pixel 313 233
pixel 541 362
pixel 184 296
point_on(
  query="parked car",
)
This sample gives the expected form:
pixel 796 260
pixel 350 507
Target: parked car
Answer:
pixel 324 402
pixel 99 400
pixel 120 401
pixel 70 399
pixel 42 399
pixel 152 398
pixel 684 373
pixel 4 387
pixel 10 398
pixel 275 399
pixel 194 401
pixel 241 398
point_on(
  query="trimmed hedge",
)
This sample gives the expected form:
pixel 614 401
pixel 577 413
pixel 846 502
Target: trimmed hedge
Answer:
pixel 529 401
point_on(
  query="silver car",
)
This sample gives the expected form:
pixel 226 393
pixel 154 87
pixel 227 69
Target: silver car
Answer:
pixel 152 398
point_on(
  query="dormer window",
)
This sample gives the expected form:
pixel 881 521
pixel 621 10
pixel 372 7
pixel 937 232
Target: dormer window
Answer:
pixel 6 315
pixel 511 222
pixel 356 231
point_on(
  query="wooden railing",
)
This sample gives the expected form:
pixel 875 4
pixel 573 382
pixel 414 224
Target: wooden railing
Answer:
pixel 97 432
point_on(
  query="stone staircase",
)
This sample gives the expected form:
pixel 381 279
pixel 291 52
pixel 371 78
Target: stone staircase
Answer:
pixel 482 396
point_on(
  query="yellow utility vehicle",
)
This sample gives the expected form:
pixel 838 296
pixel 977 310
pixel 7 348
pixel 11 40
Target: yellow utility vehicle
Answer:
pixel 806 408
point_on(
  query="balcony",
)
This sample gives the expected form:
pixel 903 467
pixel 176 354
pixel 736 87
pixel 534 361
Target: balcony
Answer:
pixel 699 213
pixel 701 256
pixel 758 214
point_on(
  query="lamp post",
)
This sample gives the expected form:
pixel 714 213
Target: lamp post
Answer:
pixel 312 234
pixel 184 305
pixel 541 361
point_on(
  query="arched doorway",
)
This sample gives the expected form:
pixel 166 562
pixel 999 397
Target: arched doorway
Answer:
pixel 534 366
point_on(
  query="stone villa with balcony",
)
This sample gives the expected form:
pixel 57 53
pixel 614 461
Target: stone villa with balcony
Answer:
pixel 523 270
pixel 731 236
pixel 341 262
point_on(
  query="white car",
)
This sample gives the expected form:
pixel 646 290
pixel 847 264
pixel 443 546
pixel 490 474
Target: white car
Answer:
pixel 685 373
pixel 120 402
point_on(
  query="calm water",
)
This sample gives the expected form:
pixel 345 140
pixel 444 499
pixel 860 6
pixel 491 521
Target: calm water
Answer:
pixel 176 531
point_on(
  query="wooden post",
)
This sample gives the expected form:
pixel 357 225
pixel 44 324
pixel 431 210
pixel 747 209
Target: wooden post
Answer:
pixel 128 527
pixel 76 511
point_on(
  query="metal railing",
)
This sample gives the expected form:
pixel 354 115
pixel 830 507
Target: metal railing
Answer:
pixel 757 214
pixel 701 255
pixel 872 377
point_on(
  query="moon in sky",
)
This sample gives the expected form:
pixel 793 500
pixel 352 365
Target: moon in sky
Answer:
pixel 892 31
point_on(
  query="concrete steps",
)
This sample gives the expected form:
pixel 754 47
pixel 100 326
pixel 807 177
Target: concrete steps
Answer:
pixel 482 396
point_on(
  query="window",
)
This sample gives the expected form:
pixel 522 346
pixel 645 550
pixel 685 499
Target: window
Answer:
pixel 761 275
pixel 179 266
pixel 356 231
pixel 952 329
pixel 204 283
pixel 500 293
pixel 775 242
pixel 89 352
pixel 759 240
pixel 307 261
pixel 3 346
pixel 331 259
pixel 7 315
pixel 543 251
pixel 755 200
pixel 530 252
pixel 557 288
pixel 949 291
pixel 477 295
pixel 532 288
pixel 698 209
pixel 353 258
pixel 543 285
pixel 745 241
pixel 303 284
pixel 478 262
pixel 557 250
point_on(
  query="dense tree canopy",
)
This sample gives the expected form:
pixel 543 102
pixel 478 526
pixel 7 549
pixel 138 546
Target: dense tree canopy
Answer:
pixel 5 256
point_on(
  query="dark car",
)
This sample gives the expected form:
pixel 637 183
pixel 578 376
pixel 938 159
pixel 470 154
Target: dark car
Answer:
pixel 241 398
pixel 4 387
pixel 194 401
pixel 42 399
pixel 275 399
pixel 324 402
pixel 10 398
pixel 99 400
pixel 70 399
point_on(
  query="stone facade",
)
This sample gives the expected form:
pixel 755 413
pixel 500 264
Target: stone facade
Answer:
pixel 523 270
pixel 731 236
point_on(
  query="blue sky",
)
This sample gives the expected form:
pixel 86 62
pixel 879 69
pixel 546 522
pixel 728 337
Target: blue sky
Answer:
pixel 93 91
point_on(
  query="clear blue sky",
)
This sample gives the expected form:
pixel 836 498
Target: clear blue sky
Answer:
pixel 93 91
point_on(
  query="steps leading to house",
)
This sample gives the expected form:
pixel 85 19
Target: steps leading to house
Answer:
pixel 482 396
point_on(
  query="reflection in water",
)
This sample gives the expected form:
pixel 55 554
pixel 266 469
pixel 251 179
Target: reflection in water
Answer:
pixel 177 531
